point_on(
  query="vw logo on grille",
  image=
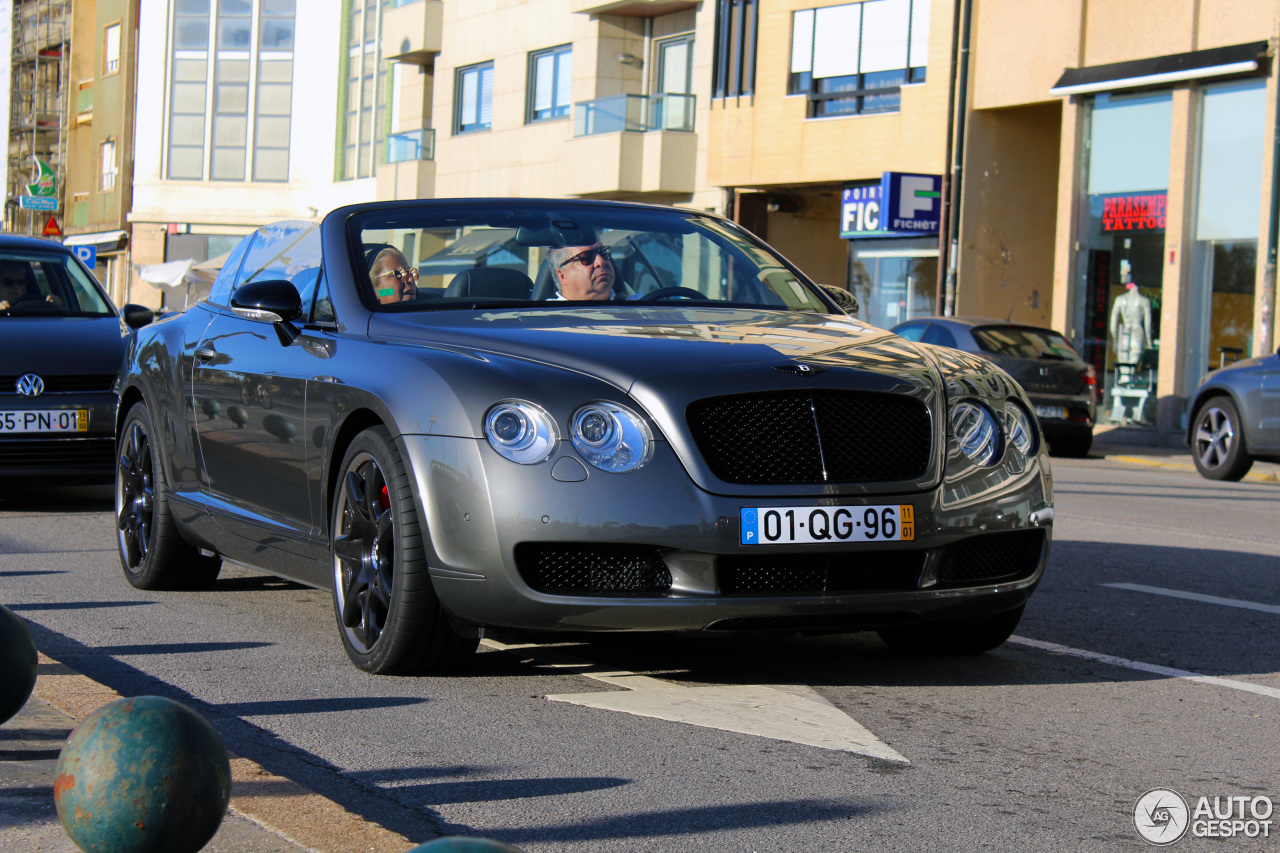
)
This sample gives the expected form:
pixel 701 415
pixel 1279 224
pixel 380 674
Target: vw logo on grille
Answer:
pixel 800 369
pixel 30 385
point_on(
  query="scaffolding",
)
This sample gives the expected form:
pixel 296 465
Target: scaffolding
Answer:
pixel 37 105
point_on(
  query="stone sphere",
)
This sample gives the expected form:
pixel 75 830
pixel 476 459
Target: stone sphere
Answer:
pixel 142 775
pixel 17 664
pixel 461 844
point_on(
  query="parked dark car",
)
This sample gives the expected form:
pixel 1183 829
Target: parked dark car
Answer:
pixel 1235 418
pixel 61 346
pixel 412 405
pixel 1062 387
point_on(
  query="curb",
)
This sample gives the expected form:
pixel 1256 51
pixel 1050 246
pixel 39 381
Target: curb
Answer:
pixel 1182 466
pixel 273 802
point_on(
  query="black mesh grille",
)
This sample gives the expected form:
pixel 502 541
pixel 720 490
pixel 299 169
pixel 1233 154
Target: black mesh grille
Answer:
pixel 571 569
pixel 820 574
pixel 993 557
pixel 790 437
pixel 77 454
pixel 61 384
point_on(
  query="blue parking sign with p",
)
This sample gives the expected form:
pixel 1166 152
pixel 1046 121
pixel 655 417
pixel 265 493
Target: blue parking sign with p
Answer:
pixel 88 255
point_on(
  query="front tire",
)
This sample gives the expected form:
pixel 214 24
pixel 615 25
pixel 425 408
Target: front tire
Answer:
pixel 153 553
pixel 1217 445
pixel 389 617
pixel 971 636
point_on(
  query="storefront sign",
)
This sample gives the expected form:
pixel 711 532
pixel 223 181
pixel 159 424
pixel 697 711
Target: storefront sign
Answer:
pixel 1133 212
pixel 31 202
pixel 899 205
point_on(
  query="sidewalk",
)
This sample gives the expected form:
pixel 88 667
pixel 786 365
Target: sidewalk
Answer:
pixel 268 814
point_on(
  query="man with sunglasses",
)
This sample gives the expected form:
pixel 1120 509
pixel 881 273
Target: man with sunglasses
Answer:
pixel 583 272
pixel 394 278
pixel 18 285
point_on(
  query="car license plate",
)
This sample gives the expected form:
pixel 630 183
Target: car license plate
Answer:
pixel 786 525
pixel 47 420
pixel 1059 412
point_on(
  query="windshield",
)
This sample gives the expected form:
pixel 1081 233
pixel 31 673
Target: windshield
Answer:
pixel 1019 342
pixel 48 284
pixel 540 253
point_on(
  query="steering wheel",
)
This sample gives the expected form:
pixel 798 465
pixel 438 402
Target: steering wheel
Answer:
pixel 666 292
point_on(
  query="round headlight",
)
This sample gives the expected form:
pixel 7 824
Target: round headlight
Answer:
pixel 1018 428
pixel 976 432
pixel 611 437
pixel 521 431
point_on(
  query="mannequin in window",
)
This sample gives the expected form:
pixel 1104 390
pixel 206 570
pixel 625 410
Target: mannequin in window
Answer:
pixel 1131 325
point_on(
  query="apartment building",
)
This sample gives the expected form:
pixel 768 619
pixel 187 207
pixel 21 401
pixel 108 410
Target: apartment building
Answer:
pixel 243 118
pixel 100 118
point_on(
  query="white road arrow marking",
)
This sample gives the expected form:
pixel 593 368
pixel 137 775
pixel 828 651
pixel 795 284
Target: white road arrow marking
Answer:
pixel 794 713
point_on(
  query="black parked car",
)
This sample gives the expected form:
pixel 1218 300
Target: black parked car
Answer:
pixel 1062 387
pixel 566 415
pixel 1235 418
pixel 61 346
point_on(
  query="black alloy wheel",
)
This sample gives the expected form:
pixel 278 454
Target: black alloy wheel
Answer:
pixel 1217 445
pixel 388 615
pixel 152 551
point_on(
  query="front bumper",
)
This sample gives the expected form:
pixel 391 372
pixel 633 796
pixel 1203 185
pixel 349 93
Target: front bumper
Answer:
pixel 61 457
pixel 484 515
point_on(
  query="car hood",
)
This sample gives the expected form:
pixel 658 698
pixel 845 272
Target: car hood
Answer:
pixel 52 346
pixel 628 345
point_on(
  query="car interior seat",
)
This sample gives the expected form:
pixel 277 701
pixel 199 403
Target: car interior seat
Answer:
pixel 490 281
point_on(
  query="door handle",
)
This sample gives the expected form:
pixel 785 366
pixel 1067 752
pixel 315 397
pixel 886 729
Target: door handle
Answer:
pixel 206 353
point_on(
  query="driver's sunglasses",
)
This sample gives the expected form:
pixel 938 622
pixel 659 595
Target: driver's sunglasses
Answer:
pixel 588 257
pixel 402 274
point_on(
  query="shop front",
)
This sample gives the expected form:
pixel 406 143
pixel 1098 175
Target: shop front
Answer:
pixel 1167 281
pixel 891 227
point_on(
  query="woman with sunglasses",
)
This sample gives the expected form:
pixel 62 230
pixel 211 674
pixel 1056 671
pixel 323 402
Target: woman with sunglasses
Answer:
pixel 394 278
pixel 583 272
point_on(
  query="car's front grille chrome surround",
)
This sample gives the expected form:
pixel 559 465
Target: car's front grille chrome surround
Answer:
pixel 813 437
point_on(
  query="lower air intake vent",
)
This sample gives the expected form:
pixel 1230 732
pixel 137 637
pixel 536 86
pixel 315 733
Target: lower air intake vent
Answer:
pixel 571 569
pixel 820 574
pixel 993 557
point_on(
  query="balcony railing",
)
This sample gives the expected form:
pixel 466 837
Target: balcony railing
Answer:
pixel 412 145
pixel 634 112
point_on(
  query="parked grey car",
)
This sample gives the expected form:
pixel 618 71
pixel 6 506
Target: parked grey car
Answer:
pixel 61 346
pixel 1062 387
pixel 561 415
pixel 1235 418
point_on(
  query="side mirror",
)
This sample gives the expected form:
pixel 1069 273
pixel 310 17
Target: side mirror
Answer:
pixel 269 301
pixel 847 302
pixel 136 316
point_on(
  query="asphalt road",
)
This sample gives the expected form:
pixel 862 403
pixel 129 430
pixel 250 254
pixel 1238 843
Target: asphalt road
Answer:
pixel 1045 744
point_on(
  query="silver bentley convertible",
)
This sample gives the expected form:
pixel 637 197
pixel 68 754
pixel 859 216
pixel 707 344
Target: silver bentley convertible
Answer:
pixel 464 416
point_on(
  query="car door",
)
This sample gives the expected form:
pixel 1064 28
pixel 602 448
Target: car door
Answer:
pixel 1269 404
pixel 248 397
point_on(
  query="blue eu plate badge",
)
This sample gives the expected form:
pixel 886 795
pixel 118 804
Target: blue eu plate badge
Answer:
pixel 750 526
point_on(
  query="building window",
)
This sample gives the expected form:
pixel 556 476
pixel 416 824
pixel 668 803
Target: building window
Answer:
pixel 855 58
pixel 734 69
pixel 107 165
pixel 252 76
pixel 366 78
pixel 473 98
pixel 550 82
pixel 111 49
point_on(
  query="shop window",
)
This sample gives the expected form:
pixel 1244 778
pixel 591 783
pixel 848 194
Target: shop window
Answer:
pixel 1124 228
pixel 550 79
pixel 473 98
pixel 733 71
pixel 1224 263
pixel 855 58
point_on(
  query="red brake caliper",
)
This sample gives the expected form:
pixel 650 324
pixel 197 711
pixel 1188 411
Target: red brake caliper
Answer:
pixel 386 499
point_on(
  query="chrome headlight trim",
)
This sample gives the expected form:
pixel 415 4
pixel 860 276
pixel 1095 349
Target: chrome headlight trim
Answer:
pixel 976 431
pixel 1019 428
pixel 611 437
pixel 521 431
